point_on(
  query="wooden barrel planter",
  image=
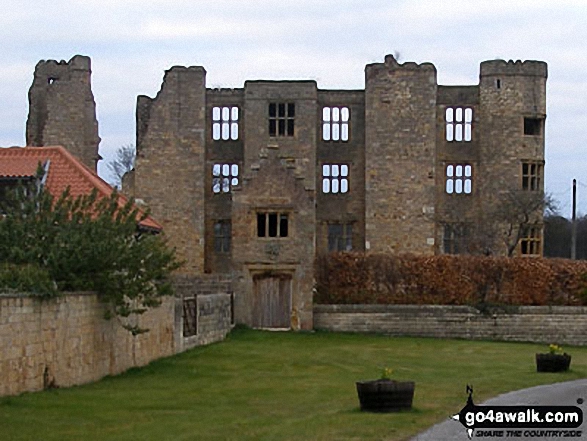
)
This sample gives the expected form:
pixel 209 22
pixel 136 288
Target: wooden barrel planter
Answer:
pixel 553 362
pixel 385 395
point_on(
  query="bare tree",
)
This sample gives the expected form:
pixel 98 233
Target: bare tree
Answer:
pixel 510 218
pixel 123 162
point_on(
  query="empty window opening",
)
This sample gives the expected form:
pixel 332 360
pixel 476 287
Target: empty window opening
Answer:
pixel 335 123
pixel 335 178
pixel 281 119
pixel 459 178
pixel 222 236
pixel 52 80
pixel 225 123
pixel 531 176
pixel 224 177
pixel 498 83
pixel 459 121
pixel 530 242
pixel 532 126
pixel 340 237
pixel 455 238
pixel 271 224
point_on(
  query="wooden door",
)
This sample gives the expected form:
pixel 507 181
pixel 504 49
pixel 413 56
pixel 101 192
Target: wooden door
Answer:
pixel 272 302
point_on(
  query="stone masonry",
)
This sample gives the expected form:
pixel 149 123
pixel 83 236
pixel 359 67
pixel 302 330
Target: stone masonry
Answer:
pixel 67 341
pixel 170 172
pixel 254 182
pixel 566 325
pixel 400 141
pixel 62 110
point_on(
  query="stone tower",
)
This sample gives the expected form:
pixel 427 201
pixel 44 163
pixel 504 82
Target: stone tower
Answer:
pixel 62 110
pixel 512 111
pixel 170 166
pixel 512 106
pixel 490 160
pixel 400 141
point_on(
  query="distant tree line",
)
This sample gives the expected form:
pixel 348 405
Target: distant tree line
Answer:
pixel 557 236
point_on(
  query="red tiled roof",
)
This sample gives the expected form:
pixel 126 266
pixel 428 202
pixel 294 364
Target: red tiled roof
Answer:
pixel 17 167
pixel 64 171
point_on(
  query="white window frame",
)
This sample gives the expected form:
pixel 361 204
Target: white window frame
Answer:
pixel 335 124
pixel 458 179
pixel 459 124
pixel 225 123
pixel 335 178
pixel 224 177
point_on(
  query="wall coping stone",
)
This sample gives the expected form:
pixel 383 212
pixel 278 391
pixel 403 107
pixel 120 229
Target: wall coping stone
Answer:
pixel 440 309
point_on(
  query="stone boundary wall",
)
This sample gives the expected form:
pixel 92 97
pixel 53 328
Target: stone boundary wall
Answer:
pixel 566 325
pixel 66 341
pixel 213 294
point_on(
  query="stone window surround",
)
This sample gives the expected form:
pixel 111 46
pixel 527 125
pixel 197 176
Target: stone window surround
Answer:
pixel 225 121
pixel 266 229
pixel 335 123
pixel 458 123
pixel 531 241
pixel 532 175
pixel 454 238
pixel 224 177
pixel 533 125
pixel 281 118
pixel 458 178
pixel 335 178
pixel 341 240
pixel 222 236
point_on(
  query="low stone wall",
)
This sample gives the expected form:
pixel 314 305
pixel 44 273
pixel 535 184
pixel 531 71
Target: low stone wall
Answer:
pixel 208 298
pixel 66 341
pixel 557 324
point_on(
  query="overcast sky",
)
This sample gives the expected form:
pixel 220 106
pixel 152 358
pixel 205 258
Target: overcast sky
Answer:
pixel 132 43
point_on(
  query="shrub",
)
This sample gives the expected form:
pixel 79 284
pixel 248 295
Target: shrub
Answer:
pixel 85 243
pixel 27 279
pixel 356 278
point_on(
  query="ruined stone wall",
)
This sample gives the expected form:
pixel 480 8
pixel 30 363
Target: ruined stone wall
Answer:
pixel 299 149
pixel 400 143
pixel 566 325
pixel 279 176
pixel 62 110
pixel 66 341
pixel 170 165
pixel 508 93
pixel 213 297
pixel 463 209
pixel 342 208
pixel 274 184
pixel 397 154
pixel 221 152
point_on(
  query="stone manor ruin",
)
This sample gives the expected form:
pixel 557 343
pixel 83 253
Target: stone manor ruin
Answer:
pixel 253 183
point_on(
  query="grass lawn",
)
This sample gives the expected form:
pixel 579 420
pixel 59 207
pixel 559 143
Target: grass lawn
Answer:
pixel 279 386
